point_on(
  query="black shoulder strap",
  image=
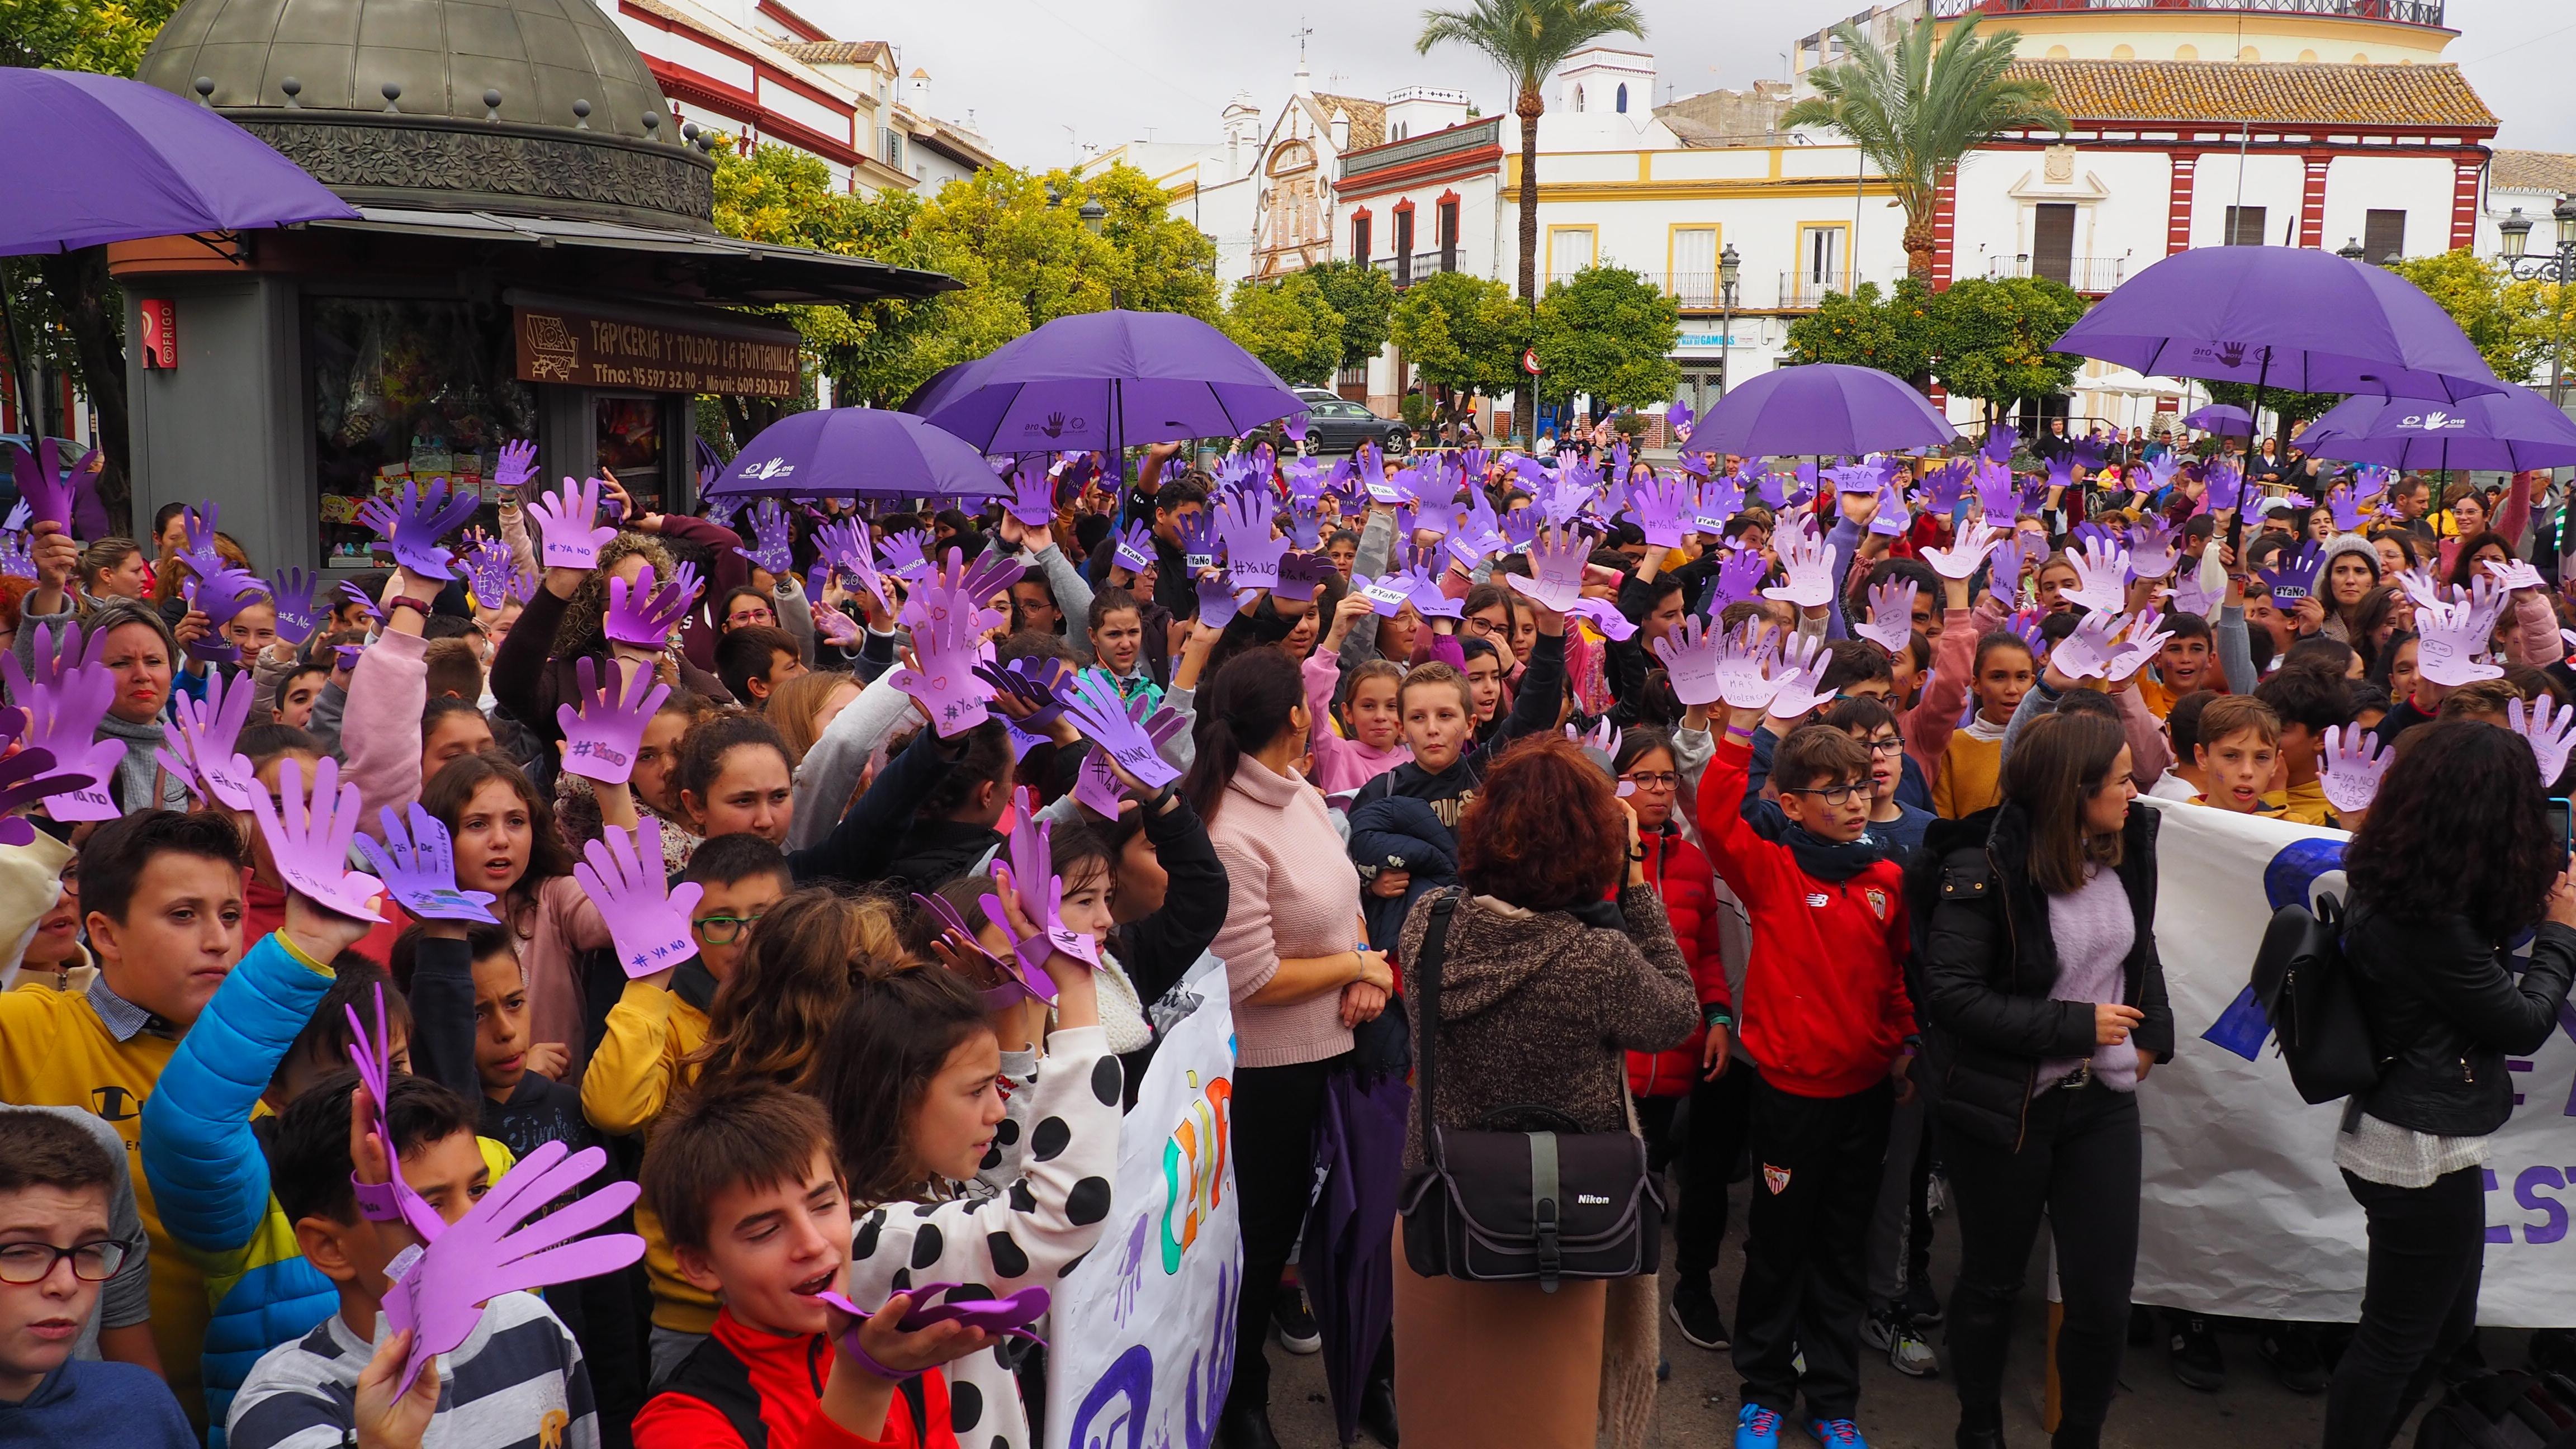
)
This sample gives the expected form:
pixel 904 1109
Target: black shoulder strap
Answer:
pixel 1425 975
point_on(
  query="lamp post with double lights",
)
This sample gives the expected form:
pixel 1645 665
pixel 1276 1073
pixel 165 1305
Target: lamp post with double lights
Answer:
pixel 2558 266
pixel 1729 267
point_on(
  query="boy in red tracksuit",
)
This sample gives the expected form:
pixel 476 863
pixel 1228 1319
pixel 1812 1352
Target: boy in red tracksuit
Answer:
pixel 1696 1069
pixel 1825 1019
pixel 745 1182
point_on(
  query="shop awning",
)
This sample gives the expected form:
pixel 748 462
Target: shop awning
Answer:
pixel 732 271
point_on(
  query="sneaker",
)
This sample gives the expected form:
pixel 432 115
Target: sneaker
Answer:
pixel 1920 1304
pixel 2291 1350
pixel 2193 1352
pixel 1837 1433
pixel 1295 1321
pixel 1907 1353
pixel 1756 1428
pixel 1695 1314
pixel 1936 1192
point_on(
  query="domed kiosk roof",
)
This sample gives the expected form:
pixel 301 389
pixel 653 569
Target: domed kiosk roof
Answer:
pixel 447 104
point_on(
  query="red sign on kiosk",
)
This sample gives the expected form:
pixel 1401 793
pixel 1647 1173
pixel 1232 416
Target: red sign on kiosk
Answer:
pixel 160 325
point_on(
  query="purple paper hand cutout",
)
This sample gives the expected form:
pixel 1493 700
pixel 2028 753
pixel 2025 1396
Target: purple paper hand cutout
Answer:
pixel 17 555
pixel 1199 540
pixel 2293 576
pixel 1041 894
pixel 1039 682
pixel 366 603
pixel 413 527
pixel 945 651
pixel 495 1249
pixel 515 466
pixel 201 735
pixel 1891 615
pixel 1032 499
pixel 1556 563
pixel 197 525
pixel 602 735
pixel 1011 1315
pixel 647 918
pixel 64 702
pixel 418 868
pixel 299 611
pixel 1690 655
pixel 221 596
pixel 905 555
pixel 1096 787
pixel 1251 553
pixel 310 842
pixel 487 564
pixel 568 533
pixel 392 1200
pixel 773 539
pixel 2353 762
pixel 40 482
pixel 1119 727
pixel 642 614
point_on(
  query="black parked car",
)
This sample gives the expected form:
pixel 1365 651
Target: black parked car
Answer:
pixel 1336 426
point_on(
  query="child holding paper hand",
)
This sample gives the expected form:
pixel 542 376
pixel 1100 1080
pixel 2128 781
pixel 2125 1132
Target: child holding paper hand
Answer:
pixel 913 1034
pixel 747 1178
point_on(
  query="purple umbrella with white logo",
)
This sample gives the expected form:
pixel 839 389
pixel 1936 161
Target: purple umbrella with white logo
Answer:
pixel 1820 409
pixel 856 453
pixel 2511 430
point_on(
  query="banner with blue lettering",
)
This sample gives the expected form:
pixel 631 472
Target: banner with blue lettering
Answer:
pixel 1141 1342
pixel 2244 1210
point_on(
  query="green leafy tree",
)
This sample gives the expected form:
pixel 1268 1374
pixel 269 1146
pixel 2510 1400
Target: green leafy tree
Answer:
pixel 1528 40
pixel 1463 332
pixel 1365 297
pixel 1991 337
pixel 1288 325
pixel 1916 110
pixel 2293 408
pixel 1893 333
pixel 2515 325
pixel 1608 332
pixel 108 38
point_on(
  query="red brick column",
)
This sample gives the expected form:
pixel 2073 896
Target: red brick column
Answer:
pixel 2312 201
pixel 2178 206
pixel 2464 198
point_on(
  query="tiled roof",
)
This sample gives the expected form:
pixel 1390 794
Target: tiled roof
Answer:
pixel 2533 171
pixel 2319 94
pixel 1368 118
pixel 837 52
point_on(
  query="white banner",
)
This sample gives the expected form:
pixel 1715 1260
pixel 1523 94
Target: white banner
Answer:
pixel 1141 1342
pixel 2245 1212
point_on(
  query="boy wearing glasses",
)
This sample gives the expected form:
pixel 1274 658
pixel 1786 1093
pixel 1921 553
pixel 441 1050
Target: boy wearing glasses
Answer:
pixel 58 1245
pixel 1825 1021
pixel 653 1030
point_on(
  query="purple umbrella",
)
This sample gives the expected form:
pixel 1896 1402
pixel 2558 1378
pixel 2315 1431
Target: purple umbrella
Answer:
pixel 2511 430
pixel 1346 1261
pixel 105 159
pixel 855 453
pixel 2221 418
pixel 2287 317
pixel 1104 380
pixel 1822 408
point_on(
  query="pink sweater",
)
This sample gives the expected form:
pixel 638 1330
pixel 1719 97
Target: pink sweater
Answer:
pixel 1341 765
pixel 1290 892
pixel 380 732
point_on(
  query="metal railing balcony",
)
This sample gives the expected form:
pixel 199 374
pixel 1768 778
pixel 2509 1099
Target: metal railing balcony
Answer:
pixel 2404 12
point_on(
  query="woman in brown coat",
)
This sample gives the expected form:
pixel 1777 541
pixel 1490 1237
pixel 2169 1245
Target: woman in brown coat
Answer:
pixel 1545 984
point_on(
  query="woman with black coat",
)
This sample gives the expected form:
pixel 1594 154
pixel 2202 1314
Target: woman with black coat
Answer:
pixel 2428 941
pixel 2045 1009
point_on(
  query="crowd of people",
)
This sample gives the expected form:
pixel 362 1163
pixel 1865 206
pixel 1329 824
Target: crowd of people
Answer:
pixel 751 864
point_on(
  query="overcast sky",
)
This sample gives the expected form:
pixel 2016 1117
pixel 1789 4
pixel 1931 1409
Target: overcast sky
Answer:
pixel 1043 75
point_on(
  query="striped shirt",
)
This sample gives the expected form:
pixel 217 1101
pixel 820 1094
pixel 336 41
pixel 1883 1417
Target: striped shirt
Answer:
pixel 515 1383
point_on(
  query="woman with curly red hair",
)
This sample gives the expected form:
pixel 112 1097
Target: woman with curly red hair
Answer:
pixel 1547 981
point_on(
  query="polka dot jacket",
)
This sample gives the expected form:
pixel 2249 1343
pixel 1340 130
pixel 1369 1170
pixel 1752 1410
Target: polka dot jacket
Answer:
pixel 1054 1161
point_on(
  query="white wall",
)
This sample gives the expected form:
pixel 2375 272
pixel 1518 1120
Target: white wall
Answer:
pixel 2419 185
pixel 2275 183
pixel 2120 198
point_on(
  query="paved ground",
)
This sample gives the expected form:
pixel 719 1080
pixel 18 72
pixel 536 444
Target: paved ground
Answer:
pixel 1697 1406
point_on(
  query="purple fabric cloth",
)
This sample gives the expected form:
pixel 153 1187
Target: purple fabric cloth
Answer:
pixel 2094 930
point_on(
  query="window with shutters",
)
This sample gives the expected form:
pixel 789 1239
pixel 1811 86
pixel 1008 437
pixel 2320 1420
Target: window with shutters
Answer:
pixel 1448 224
pixel 2244 226
pixel 1360 238
pixel 2383 235
pixel 2052 242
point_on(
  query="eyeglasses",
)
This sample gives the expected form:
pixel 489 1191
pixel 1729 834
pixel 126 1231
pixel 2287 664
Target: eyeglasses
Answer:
pixel 723 930
pixel 751 616
pixel 24 1263
pixel 1655 780
pixel 1832 794
pixel 1887 747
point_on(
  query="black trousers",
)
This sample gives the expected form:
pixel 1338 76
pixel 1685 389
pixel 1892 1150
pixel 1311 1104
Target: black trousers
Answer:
pixel 2419 1304
pixel 1273 1126
pixel 1817 1162
pixel 1710 1140
pixel 2078 1164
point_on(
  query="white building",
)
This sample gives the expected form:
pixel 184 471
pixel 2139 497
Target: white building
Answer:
pixel 763 74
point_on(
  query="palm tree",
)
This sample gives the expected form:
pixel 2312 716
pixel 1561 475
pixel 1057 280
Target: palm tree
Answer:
pixel 1915 111
pixel 1529 39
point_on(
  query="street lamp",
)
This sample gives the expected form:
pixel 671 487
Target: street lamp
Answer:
pixel 2350 251
pixel 1093 215
pixel 2558 266
pixel 1729 267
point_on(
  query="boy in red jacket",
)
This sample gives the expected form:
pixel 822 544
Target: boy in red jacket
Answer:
pixel 745 1183
pixel 1825 1019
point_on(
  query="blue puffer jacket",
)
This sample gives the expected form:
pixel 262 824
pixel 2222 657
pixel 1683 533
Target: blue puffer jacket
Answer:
pixel 1400 832
pixel 210 1177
